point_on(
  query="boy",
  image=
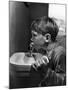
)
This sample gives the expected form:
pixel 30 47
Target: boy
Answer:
pixel 51 58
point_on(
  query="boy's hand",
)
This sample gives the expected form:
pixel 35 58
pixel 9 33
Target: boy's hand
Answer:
pixel 43 61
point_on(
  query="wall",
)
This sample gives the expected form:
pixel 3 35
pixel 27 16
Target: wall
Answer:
pixel 38 10
pixel 19 27
pixel 20 18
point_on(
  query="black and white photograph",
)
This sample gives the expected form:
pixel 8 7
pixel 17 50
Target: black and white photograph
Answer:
pixel 37 44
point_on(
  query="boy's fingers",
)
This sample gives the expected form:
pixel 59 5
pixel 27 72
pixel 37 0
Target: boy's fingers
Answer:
pixel 45 59
pixel 34 66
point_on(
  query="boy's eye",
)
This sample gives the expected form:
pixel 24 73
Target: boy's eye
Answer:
pixel 34 33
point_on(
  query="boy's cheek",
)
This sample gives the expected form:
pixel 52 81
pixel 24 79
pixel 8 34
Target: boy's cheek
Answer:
pixel 39 41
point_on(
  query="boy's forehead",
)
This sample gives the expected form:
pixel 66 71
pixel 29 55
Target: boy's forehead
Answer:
pixel 38 31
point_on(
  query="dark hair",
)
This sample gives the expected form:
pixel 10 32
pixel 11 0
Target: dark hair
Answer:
pixel 45 25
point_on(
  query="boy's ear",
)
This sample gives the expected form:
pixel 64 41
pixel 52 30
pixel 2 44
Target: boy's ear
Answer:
pixel 47 37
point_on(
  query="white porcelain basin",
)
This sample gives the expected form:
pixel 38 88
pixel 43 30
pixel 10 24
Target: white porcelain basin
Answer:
pixel 21 59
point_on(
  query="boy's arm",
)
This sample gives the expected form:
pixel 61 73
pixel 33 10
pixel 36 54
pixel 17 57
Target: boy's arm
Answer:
pixel 58 75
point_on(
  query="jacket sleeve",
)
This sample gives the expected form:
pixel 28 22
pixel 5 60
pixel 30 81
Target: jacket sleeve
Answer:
pixel 56 76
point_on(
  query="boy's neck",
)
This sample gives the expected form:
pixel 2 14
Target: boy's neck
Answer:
pixel 46 46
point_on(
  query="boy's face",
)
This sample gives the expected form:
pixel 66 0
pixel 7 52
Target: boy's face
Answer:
pixel 37 38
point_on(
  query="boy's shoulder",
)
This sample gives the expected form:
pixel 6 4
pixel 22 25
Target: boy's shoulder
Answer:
pixel 59 49
pixel 56 47
pixel 56 50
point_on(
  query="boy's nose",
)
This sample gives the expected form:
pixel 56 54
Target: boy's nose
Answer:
pixel 32 39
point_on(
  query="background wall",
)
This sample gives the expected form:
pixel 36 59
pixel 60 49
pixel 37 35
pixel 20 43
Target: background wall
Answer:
pixel 20 18
pixel 38 10
pixel 19 27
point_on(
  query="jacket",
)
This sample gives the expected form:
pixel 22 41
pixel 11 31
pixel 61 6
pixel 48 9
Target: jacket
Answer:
pixel 55 72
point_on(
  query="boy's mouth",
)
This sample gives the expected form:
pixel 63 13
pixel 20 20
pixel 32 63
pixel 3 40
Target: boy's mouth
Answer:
pixel 31 44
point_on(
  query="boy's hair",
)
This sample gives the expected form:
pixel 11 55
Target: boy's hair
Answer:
pixel 45 25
